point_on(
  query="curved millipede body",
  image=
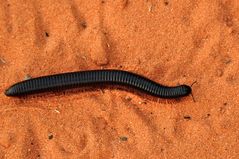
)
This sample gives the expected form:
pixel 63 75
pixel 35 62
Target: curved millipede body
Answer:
pixel 83 78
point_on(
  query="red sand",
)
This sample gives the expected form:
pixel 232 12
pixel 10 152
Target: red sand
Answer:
pixel 171 42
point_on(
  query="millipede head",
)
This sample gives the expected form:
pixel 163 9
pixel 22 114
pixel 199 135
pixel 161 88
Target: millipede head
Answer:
pixel 187 89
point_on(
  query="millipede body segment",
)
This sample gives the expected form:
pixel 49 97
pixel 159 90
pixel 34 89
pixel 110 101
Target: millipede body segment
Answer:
pixel 99 77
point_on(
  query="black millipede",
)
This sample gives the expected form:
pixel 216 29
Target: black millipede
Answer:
pixel 98 77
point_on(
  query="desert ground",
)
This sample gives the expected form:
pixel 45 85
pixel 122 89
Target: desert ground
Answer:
pixel 169 41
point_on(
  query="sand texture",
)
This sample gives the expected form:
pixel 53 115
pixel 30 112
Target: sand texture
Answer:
pixel 169 41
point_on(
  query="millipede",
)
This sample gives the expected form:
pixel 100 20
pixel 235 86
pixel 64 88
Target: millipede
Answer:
pixel 96 77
